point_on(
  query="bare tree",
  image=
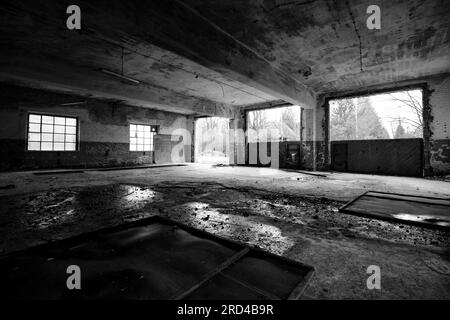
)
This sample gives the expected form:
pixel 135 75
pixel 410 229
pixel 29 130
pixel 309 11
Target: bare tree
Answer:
pixel 407 99
pixel 355 118
pixel 257 120
pixel 290 123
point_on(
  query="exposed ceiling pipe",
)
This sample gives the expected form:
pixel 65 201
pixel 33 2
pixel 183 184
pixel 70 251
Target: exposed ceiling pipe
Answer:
pixel 118 75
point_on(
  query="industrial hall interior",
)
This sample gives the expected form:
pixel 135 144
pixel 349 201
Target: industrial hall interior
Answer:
pixel 225 150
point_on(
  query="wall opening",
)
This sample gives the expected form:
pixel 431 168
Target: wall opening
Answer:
pixel 274 137
pixel 378 134
pixel 212 140
pixel 274 124
pixel 394 115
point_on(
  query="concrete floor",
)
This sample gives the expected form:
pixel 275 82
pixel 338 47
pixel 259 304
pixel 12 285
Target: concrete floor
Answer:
pixel 285 212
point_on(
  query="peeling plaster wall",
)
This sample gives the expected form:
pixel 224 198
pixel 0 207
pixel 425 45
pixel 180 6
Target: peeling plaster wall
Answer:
pixel 314 152
pixel 103 131
pixel 440 125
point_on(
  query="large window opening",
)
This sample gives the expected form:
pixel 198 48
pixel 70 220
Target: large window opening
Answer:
pixel 274 124
pixel 51 133
pixel 396 115
pixel 378 134
pixel 212 140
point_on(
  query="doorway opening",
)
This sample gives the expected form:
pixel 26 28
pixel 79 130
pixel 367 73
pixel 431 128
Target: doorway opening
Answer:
pixel 212 140
pixel 279 127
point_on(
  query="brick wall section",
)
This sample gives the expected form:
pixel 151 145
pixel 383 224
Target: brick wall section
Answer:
pixel 103 131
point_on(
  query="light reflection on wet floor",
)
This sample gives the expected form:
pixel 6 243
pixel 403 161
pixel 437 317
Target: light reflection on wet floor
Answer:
pixel 254 217
pixel 237 227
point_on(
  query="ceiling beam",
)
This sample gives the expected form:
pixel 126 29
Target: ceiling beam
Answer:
pixel 37 72
pixel 175 26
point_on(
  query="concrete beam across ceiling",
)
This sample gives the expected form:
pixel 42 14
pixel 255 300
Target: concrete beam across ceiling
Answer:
pixel 34 72
pixel 172 25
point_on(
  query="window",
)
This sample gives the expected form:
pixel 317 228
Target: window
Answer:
pixel 141 137
pixel 392 115
pixel 274 124
pixel 51 133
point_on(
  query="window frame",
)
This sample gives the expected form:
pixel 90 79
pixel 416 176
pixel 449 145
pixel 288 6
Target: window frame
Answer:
pixel 153 132
pixel 54 115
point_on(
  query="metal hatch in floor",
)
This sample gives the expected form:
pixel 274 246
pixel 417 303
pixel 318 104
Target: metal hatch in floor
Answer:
pixel 409 209
pixel 153 258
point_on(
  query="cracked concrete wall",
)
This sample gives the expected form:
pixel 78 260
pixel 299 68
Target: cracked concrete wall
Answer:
pixel 103 131
pixel 440 125
pixel 314 151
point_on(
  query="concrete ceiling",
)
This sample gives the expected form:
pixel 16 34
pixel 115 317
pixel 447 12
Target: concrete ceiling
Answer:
pixel 324 43
pixel 207 57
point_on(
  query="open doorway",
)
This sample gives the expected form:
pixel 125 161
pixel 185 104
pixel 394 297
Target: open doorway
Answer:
pixel 212 140
pixel 277 125
pixel 380 133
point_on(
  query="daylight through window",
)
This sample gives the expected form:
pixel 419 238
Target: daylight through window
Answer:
pixel 51 133
pixel 394 115
pixel 274 124
pixel 141 137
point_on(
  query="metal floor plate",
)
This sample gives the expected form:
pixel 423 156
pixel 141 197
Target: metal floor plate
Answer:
pixel 153 258
pixel 409 209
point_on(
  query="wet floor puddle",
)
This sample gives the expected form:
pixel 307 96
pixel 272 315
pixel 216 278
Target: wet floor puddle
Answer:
pixel 42 210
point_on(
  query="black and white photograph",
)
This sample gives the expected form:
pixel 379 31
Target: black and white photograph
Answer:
pixel 220 155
